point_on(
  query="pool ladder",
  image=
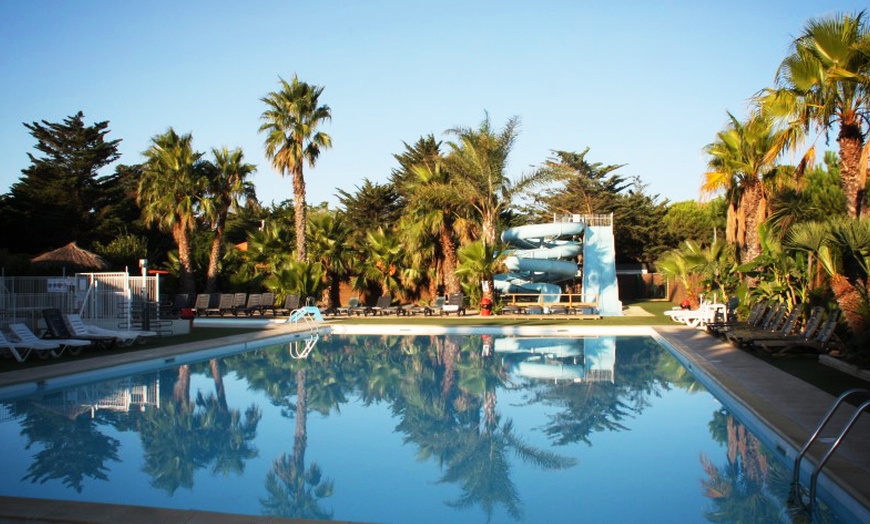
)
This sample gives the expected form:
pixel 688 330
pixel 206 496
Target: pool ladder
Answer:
pixel 796 485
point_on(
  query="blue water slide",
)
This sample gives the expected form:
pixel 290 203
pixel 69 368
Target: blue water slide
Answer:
pixel 540 258
pixel 599 269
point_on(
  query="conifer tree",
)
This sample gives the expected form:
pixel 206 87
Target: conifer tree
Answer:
pixel 54 202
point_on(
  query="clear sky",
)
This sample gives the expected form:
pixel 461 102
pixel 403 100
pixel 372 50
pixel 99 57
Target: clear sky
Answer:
pixel 645 84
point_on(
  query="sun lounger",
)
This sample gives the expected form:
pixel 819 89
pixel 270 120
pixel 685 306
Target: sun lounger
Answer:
pixel 353 308
pixel 384 306
pixel 267 303
pixel 291 303
pixel 55 347
pixel 455 304
pixel 707 313
pixel 224 305
pixel 820 342
pixel 435 308
pixel 811 326
pixel 772 322
pixel 21 350
pixel 123 337
pixel 252 306
pixel 59 329
pixel 203 301
pixel 756 314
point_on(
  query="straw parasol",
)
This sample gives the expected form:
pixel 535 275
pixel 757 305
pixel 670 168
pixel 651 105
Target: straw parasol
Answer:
pixel 71 255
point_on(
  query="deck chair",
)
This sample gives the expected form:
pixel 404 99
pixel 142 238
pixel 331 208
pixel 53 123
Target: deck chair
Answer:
pixel 200 307
pixel 123 337
pixel 819 342
pixel 59 329
pixel 182 301
pixel 239 301
pixel 54 347
pixel 291 304
pixel 353 307
pixel 435 308
pixel 267 303
pixel 756 314
pixel 21 350
pixel 252 306
pixel 223 305
pixel 770 323
pixel 384 306
pixel 455 304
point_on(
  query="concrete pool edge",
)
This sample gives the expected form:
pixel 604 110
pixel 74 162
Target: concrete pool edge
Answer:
pixel 754 383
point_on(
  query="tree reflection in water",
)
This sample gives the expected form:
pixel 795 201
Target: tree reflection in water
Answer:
pixel 443 394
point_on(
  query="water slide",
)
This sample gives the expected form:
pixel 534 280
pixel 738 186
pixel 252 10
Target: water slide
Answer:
pixel 599 268
pixel 544 255
pixel 587 359
pixel 541 257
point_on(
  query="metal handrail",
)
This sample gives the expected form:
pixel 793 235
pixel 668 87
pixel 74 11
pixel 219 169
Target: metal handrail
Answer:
pixel 796 486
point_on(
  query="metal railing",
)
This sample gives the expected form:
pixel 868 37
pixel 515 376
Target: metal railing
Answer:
pixel 796 485
pixel 92 295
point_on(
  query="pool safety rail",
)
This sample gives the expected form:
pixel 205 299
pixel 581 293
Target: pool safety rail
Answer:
pixel 301 348
pixel 796 488
pixel 309 315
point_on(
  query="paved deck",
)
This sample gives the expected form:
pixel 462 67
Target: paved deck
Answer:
pixel 788 405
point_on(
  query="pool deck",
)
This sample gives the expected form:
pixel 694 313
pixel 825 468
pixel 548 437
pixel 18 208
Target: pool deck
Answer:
pixel 790 406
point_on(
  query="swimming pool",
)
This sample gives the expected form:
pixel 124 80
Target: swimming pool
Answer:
pixel 401 428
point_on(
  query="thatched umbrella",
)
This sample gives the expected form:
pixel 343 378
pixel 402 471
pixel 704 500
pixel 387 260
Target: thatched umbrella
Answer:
pixel 72 256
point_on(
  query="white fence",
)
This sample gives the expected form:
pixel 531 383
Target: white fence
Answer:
pixel 118 297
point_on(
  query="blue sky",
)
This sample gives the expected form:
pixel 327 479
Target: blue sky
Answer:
pixel 645 84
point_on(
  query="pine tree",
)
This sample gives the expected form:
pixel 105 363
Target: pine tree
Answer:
pixel 55 200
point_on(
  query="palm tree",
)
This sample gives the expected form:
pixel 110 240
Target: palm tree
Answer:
pixel 169 193
pixel 742 161
pixel 477 163
pixel 824 83
pixel 478 262
pixel 292 139
pixel 330 236
pixel 227 184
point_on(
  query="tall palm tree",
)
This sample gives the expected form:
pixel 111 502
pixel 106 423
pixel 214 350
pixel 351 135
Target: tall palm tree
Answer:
pixel 824 83
pixel 291 123
pixel 742 161
pixel 169 193
pixel 227 184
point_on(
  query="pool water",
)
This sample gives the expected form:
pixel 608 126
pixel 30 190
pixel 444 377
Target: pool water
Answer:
pixel 471 428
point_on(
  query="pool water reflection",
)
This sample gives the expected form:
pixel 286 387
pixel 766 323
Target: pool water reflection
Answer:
pixel 404 429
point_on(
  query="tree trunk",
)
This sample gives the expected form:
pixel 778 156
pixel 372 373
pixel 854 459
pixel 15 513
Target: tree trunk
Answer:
pixel 448 267
pixel 300 440
pixel 215 255
pixel 299 212
pixel 754 209
pixel 851 142
pixel 185 277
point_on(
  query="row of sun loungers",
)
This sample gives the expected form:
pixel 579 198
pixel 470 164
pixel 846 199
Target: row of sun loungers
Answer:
pixel 776 329
pixel 64 333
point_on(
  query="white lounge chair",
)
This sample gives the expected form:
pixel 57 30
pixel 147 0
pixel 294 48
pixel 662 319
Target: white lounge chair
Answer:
pixel 705 314
pixel 124 337
pixel 21 350
pixel 73 345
